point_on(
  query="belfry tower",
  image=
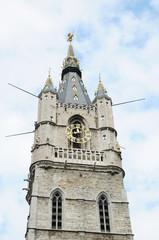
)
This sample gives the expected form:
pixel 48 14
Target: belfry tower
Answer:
pixel 76 189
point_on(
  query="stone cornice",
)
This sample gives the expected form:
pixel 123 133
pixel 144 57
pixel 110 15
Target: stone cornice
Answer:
pixel 102 234
pixel 47 164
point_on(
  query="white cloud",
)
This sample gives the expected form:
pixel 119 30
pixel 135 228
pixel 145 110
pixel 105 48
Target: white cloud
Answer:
pixel 146 224
pixel 13 211
pixel 155 4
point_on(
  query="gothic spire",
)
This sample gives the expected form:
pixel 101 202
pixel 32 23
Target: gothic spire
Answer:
pixel 101 91
pixel 49 86
pixel 70 51
pixel 71 87
pixel 71 62
pixel 49 80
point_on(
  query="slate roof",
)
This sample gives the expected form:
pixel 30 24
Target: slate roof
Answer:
pixel 71 87
pixel 101 92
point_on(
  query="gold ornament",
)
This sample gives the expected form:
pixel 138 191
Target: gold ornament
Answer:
pixel 78 133
pixel 70 36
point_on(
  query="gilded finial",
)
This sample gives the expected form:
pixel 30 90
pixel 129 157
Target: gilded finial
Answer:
pixel 100 85
pixel 49 80
pixel 63 65
pixel 49 73
pixel 70 36
pixel 70 60
pixel 100 77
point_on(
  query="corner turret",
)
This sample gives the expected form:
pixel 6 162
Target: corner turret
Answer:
pixel 49 86
pixel 47 95
pixel 101 91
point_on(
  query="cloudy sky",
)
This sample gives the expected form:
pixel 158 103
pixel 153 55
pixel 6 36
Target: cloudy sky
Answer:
pixel 117 38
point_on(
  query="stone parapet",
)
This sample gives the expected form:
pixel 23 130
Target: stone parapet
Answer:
pixel 75 155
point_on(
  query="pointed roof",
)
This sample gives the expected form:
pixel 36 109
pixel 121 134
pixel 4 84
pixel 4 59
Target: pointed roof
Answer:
pixel 101 91
pixel 49 82
pixel 70 51
pixel 72 90
pixel 71 63
pixel 48 87
pixel 71 87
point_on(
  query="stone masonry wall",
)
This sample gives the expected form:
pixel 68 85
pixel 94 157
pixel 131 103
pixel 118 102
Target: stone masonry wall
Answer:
pixel 80 193
pixel 79 236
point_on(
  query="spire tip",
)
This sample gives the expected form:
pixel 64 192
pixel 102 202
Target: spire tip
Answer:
pixel 70 36
pixel 49 80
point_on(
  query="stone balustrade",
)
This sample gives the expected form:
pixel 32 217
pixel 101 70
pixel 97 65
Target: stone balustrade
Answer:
pixel 78 156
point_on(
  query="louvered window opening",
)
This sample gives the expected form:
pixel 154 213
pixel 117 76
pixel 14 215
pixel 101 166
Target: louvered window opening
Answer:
pixel 104 214
pixel 57 211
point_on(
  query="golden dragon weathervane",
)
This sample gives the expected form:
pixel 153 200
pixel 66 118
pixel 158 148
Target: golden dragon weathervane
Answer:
pixel 70 36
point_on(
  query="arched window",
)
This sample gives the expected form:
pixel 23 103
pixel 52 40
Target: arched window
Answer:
pixel 76 133
pixel 104 214
pixel 57 210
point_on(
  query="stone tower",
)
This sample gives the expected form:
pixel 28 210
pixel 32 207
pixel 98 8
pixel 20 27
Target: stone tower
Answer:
pixel 75 189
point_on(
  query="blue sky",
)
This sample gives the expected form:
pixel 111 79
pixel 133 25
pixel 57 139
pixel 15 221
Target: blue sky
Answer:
pixel 117 38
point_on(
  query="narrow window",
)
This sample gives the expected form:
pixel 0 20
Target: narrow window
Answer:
pixel 51 118
pixel 101 102
pixel 102 117
pixel 52 97
pixel 104 137
pixel 57 210
pixel 104 214
pixel 46 96
pixel 73 79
